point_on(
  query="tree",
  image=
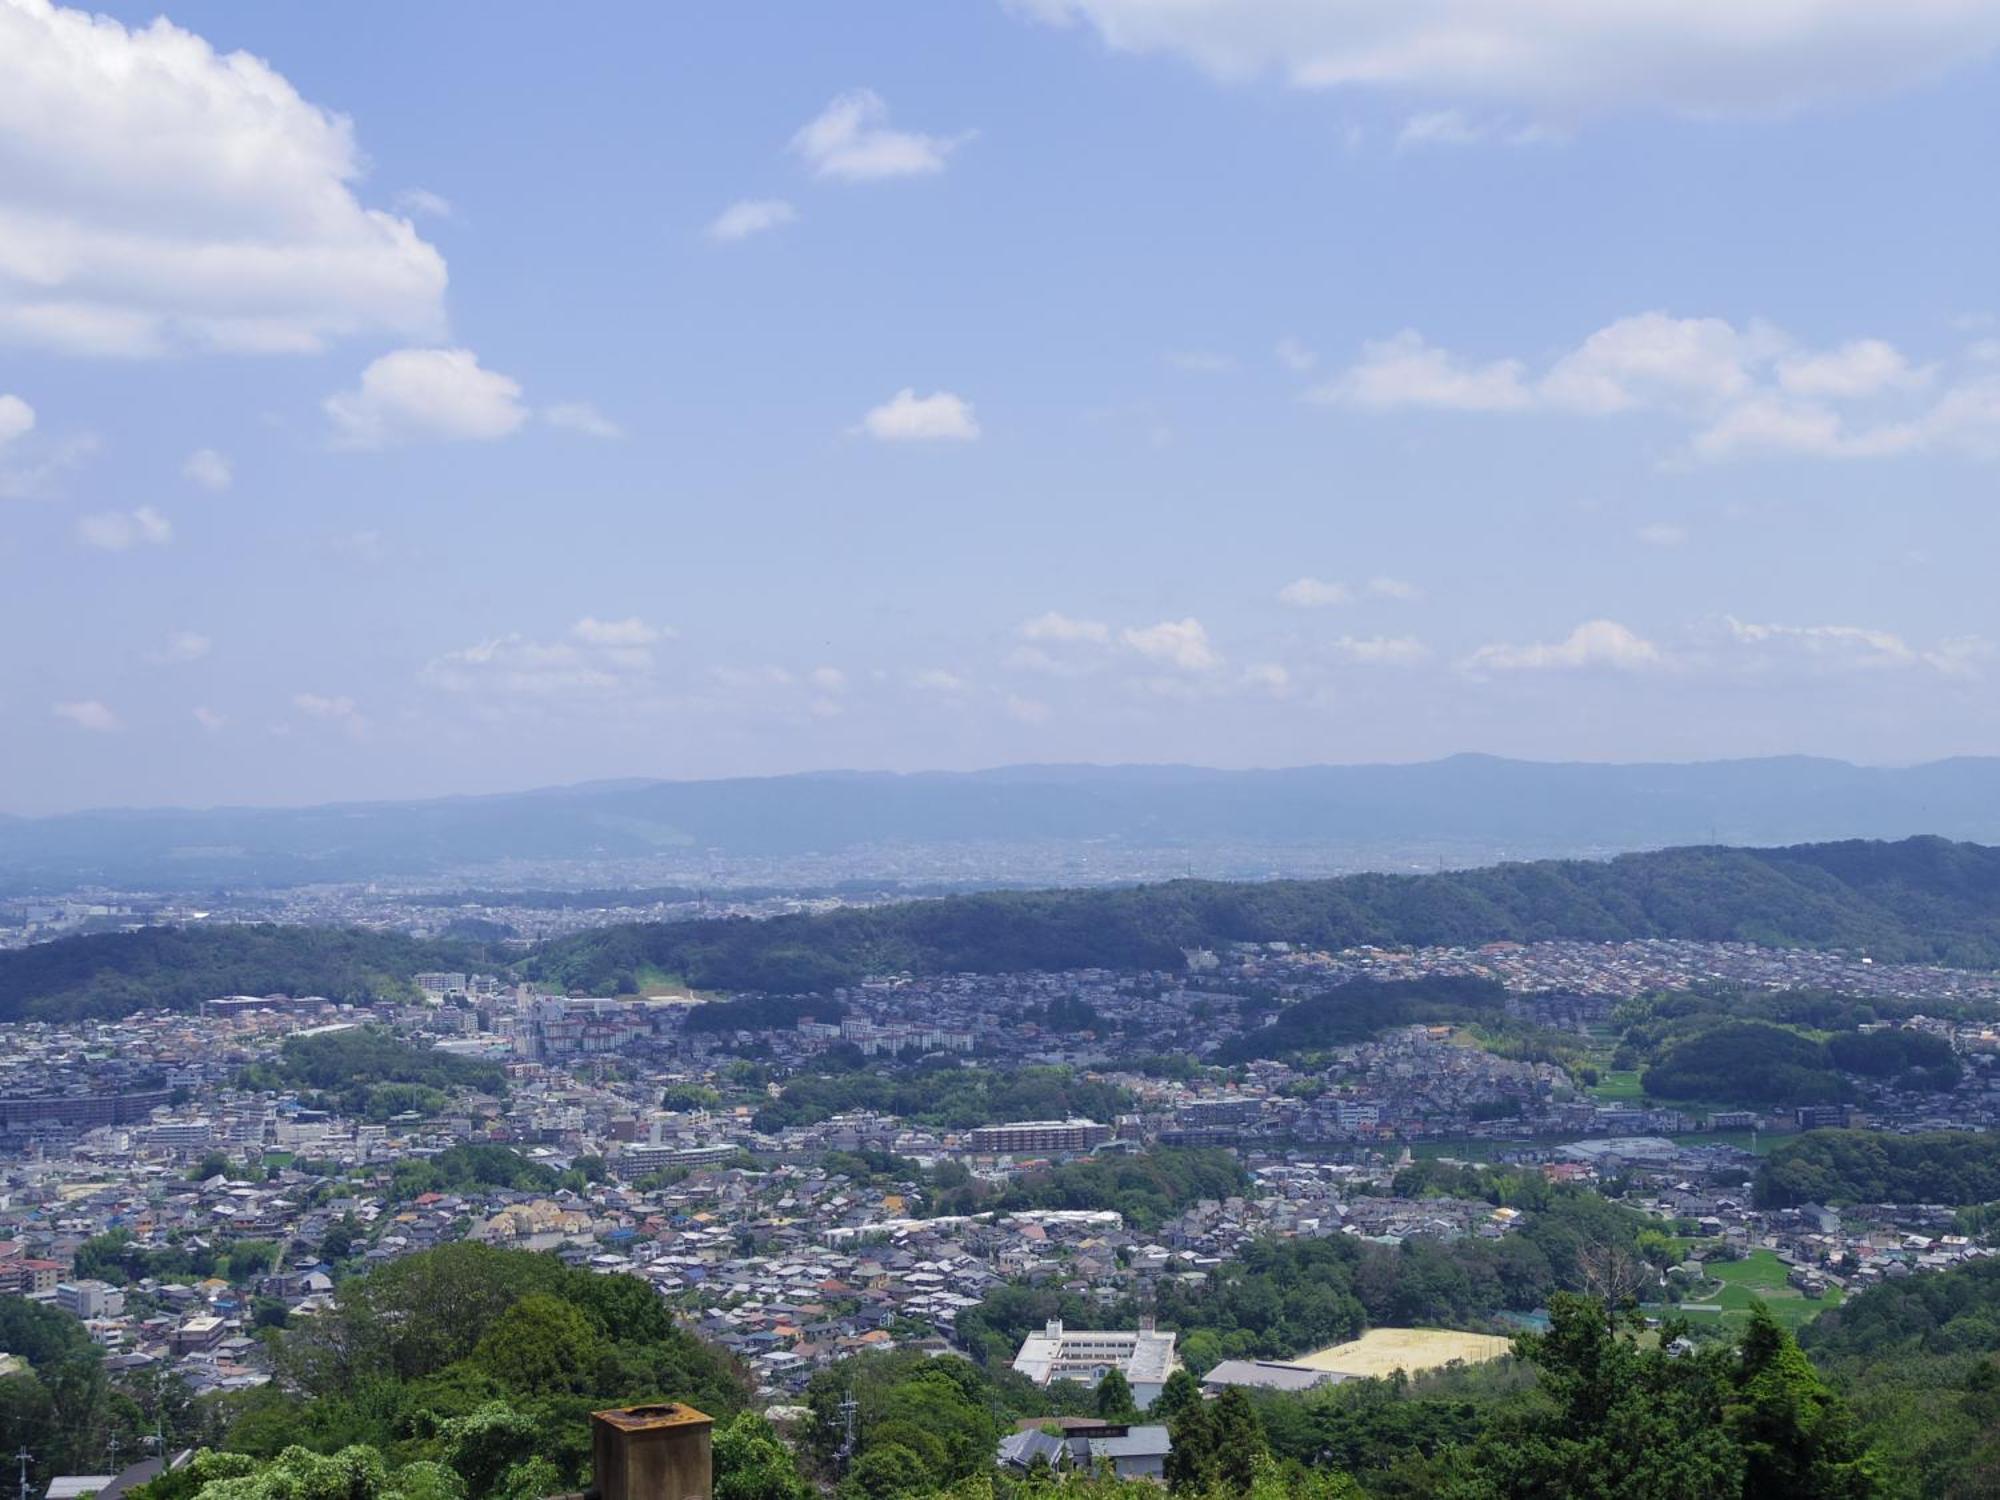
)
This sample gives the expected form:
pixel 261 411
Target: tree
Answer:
pixel 541 1346
pixel 1180 1392
pixel 890 1472
pixel 1798 1437
pixel 1239 1440
pixel 1114 1396
pixel 752 1464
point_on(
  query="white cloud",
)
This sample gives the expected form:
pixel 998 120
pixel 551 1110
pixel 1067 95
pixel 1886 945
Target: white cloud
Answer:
pixel 88 713
pixel 209 719
pixel 1270 677
pixel 937 680
pixel 1595 643
pixel 341 712
pixel 1059 627
pixel 1178 643
pixel 1861 647
pixel 1452 127
pixel 828 679
pixel 907 417
pixel 851 140
pixel 122 530
pixel 208 469
pixel 1382 650
pixel 1740 392
pixel 1652 359
pixel 156 196
pixel 581 416
pixel 422 203
pixel 1441 127
pixel 1863 367
pixel 37 480
pixel 1314 593
pixel 1294 355
pixel 601 658
pixel 1697 57
pixel 1662 534
pixel 750 216
pixel 1027 710
pixel 1317 593
pixel 425 393
pixel 1407 371
pixel 185 646
pixel 17 418
pixel 1774 424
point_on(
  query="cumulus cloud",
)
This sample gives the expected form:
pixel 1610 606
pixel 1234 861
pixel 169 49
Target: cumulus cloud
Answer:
pixel 1182 644
pixel 1319 593
pixel 937 680
pixel 1697 57
pixel 87 713
pixel 1027 710
pixel 1269 677
pixel 122 530
pixel 1314 593
pixel 422 203
pixel 208 469
pixel 414 394
pixel 1294 355
pixel 596 657
pixel 851 140
pixel 1595 643
pixel 1737 391
pixel 17 418
pixel 1662 534
pixel 581 416
pixel 750 216
pixel 337 710
pixel 209 719
pixel 156 196
pixel 1406 370
pixel 1060 627
pixel 907 417
pixel 1382 650
pixel 318 706
pixel 1860 647
pixel 185 646
pixel 1400 589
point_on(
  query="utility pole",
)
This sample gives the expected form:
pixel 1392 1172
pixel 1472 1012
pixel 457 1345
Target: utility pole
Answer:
pixel 848 1407
pixel 24 1456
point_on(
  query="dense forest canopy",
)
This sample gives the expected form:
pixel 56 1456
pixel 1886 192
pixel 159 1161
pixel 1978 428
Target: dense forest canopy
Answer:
pixel 1920 900
pixel 1871 1166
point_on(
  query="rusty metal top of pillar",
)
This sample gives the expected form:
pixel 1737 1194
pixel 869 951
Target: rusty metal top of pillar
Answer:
pixel 652 1418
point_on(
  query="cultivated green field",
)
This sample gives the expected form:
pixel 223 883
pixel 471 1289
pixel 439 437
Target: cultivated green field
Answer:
pixel 1758 1276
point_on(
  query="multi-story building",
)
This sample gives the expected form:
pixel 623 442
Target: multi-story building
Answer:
pixel 90 1299
pixel 1144 1356
pixel 1039 1135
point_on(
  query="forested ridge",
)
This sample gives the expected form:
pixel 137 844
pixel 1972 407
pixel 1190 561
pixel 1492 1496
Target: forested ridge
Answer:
pixel 1919 900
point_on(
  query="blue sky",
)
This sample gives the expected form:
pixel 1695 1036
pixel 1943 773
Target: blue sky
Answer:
pixel 478 398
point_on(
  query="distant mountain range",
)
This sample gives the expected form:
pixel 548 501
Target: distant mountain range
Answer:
pixel 1464 809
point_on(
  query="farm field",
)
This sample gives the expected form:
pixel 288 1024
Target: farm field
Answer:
pixel 1760 1275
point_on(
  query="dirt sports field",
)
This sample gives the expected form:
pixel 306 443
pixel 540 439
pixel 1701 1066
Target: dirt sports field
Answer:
pixel 1381 1350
